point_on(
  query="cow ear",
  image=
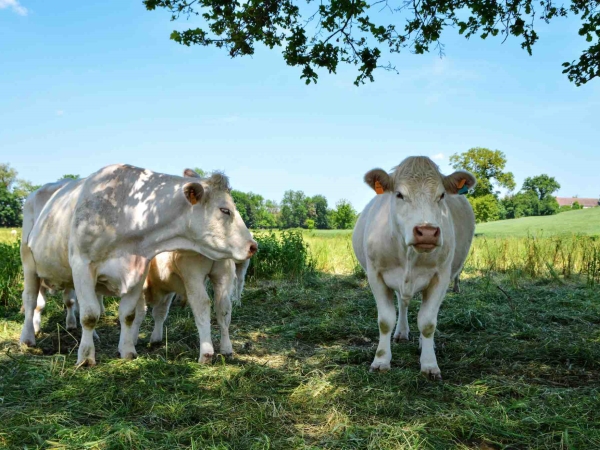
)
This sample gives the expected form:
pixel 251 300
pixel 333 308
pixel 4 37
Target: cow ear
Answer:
pixel 193 192
pixel 191 173
pixel 460 182
pixel 379 180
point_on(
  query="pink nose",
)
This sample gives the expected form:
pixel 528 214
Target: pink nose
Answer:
pixel 426 236
pixel 253 249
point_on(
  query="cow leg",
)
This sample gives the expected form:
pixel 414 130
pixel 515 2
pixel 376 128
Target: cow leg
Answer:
pixel 200 303
pixel 132 304
pixel 89 309
pixel 402 329
pixel 42 299
pixel 160 311
pixel 427 321
pixel 456 287
pixel 140 315
pixel 224 285
pixel 386 316
pixel 70 302
pixel 31 289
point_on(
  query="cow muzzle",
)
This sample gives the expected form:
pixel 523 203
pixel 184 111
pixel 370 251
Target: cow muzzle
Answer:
pixel 426 238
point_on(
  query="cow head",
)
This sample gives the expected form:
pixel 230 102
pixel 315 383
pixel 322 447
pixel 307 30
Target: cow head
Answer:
pixel 417 193
pixel 215 224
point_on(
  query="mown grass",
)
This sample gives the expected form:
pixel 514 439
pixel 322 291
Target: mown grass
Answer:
pixel 520 356
pixel 582 221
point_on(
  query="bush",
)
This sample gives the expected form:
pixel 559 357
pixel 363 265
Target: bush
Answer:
pixel 486 208
pixel 10 275
pixel 281 255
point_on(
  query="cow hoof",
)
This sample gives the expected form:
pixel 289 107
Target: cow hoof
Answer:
pixel 89 362
pixel 95 335
pixel 72 327
pixel 227 355
pixel 129 356
pixel 401 337
pixel 27 342
pixel 380 367
pixel 433 373
pixel 206 358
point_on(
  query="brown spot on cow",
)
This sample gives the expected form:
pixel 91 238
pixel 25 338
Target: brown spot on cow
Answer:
pixel 89 321
pixel 129 319
pixel 428 330
pixel 380 353
pixel 384 327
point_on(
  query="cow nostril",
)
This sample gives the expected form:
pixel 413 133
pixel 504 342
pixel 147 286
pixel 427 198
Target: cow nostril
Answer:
pixel 253 249
pixel 437 232
pixel 418 232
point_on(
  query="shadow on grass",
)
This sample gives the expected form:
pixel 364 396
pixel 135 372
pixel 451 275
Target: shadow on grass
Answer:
pixel 521 369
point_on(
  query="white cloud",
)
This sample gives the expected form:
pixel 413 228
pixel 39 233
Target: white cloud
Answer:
pixel 14 5
pixel 438 157
pixel 59 112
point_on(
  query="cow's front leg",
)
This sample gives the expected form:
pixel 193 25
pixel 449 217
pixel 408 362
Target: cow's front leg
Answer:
pixel 402 329
pixel 386 317
pixel 433 296
pixel 84 278
pixel 131 308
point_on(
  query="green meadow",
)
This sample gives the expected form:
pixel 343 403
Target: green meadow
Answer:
pixel 519 350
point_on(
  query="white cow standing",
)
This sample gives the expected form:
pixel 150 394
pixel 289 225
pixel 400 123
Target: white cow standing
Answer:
pixel 100 233
pixel 185 273
pixel 413 237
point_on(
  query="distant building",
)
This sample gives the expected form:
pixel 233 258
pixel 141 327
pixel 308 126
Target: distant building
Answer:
pixel 585 202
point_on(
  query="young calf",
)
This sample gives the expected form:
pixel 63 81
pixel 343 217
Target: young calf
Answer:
pixel 413 237
pixel 99 234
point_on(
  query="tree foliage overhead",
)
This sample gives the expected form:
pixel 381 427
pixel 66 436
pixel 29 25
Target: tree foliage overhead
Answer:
pixel 321 35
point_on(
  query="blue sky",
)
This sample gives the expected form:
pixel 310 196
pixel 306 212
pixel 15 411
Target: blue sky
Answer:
pixel 86 84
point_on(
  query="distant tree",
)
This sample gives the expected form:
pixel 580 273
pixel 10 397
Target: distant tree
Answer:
pixel 23 188
pixel 321 212
pixel 309 224
pixel 201 172
pixel 294 211
pixel 486 208
pixel 10 208
pixel 344 215
pixel 488 166
pixel 576 205
pixel 69 176
pixel 8 176
pixel 315 36
pixel 253 210
pixel 542 185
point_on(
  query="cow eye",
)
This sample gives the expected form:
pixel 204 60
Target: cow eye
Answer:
pixel 399 195
pixel 225 211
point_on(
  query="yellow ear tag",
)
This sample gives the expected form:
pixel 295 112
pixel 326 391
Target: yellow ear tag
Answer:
pixel 378 188
pixel 461 183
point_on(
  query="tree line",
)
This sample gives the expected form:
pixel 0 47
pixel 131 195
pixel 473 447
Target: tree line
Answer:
pixel 535 198
pixel 298 210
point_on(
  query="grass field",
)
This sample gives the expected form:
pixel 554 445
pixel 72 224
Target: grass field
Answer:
pixel 583 221
pixel 519 350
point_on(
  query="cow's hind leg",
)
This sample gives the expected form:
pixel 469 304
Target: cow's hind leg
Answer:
pixel 386 315
pixel 160 311
pixel 402 329
pixel 42 299
pixel 70 302
pixel 224 285
pixel 456 284
pixel 433 296
pixel 31 289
